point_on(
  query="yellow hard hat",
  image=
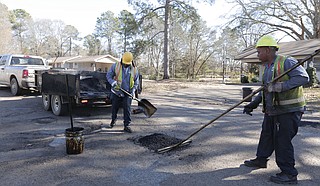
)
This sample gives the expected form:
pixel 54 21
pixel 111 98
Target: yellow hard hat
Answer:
pixel 127 58
pixel 267 41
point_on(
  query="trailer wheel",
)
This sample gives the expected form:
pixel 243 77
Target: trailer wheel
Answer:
pixel 46 102
pixel 14 87
pixel 58 108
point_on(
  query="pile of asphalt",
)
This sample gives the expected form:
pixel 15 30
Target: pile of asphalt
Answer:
pixel 156 141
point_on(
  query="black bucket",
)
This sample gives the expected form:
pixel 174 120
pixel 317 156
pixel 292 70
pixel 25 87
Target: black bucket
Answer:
pixel 245 92
pixel 74 140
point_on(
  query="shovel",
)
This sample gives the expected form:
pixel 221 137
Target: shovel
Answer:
pixel 169 148
pixel 147 108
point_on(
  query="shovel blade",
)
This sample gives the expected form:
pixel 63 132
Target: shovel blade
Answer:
pixel 147 108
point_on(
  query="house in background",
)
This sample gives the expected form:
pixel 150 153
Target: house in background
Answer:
pixel 88 63
pixel 297 49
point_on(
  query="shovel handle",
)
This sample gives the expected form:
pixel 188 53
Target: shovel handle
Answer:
pixel 126 92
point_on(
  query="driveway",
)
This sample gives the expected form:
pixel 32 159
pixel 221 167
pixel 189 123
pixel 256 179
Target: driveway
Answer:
pixel 33 150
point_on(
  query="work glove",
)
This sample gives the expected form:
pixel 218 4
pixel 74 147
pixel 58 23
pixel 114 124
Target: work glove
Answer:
pixel 114 84
pixel 249 108
pixel 275 87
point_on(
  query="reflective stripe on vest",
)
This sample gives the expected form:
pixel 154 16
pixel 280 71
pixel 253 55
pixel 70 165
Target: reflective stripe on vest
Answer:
pixel 292 101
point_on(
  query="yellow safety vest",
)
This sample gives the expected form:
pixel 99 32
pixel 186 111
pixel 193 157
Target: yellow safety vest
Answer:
pixel 118 76
pixel 288 99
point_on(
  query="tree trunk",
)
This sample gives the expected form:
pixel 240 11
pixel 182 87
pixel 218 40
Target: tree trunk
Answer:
pixel 109 46
pixel 166 41
pixel 317 19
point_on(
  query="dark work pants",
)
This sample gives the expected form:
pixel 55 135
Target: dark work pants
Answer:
pixel 278 138
pixel 126 105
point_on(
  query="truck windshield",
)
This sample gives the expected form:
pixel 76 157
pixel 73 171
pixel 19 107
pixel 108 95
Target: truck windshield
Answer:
pixel 26 61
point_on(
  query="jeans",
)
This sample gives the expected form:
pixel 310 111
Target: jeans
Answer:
pixel 276 135
pixel 126 105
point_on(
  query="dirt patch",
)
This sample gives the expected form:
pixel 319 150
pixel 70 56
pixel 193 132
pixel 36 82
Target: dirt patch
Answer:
pixel 155 141
pixel 172 85
pixel 313 99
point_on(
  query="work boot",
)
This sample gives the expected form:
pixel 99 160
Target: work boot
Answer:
pixel 283 178
pixel 257 163
pixel 127 129
pixel 113 123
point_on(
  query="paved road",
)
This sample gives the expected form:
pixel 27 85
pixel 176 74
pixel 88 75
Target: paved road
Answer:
pixel 32 149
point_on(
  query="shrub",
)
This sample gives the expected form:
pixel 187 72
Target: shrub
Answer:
pixel 255 79
pixel 244 79
pixel 313 81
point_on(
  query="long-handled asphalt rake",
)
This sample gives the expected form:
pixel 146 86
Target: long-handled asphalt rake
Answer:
pixel 183 142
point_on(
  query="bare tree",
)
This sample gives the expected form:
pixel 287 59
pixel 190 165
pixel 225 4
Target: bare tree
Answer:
pixel 69 34
pixel 299 19
pixel 37 35
pixel 93 45
pixel 166 7
pixel 5 30
pixel 201 47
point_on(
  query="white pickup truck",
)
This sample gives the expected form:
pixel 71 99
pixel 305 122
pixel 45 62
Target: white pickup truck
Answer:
pixel 18 71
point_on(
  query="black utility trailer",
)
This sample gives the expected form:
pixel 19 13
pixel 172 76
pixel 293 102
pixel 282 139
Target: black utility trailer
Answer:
pixel 59 86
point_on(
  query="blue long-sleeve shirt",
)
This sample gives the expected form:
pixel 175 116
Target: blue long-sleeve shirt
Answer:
pixel 126 73
pixel 297 77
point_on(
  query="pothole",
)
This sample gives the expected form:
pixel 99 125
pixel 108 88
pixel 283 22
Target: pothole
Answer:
pixel 155 141
pixel 44 120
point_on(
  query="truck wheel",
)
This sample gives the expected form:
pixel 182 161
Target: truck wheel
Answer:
pixel 46 102
pixel 57 107
pixel 14 87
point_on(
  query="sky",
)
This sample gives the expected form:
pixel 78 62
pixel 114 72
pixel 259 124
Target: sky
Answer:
pixel 83 14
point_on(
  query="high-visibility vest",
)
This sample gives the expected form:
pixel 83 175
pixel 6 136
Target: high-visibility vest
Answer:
pixel 118 76
pixel 293 98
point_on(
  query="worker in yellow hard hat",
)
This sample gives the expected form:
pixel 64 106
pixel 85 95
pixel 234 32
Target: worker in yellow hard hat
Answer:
pixel 267 41
pixel 283 106
pixel 123 75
